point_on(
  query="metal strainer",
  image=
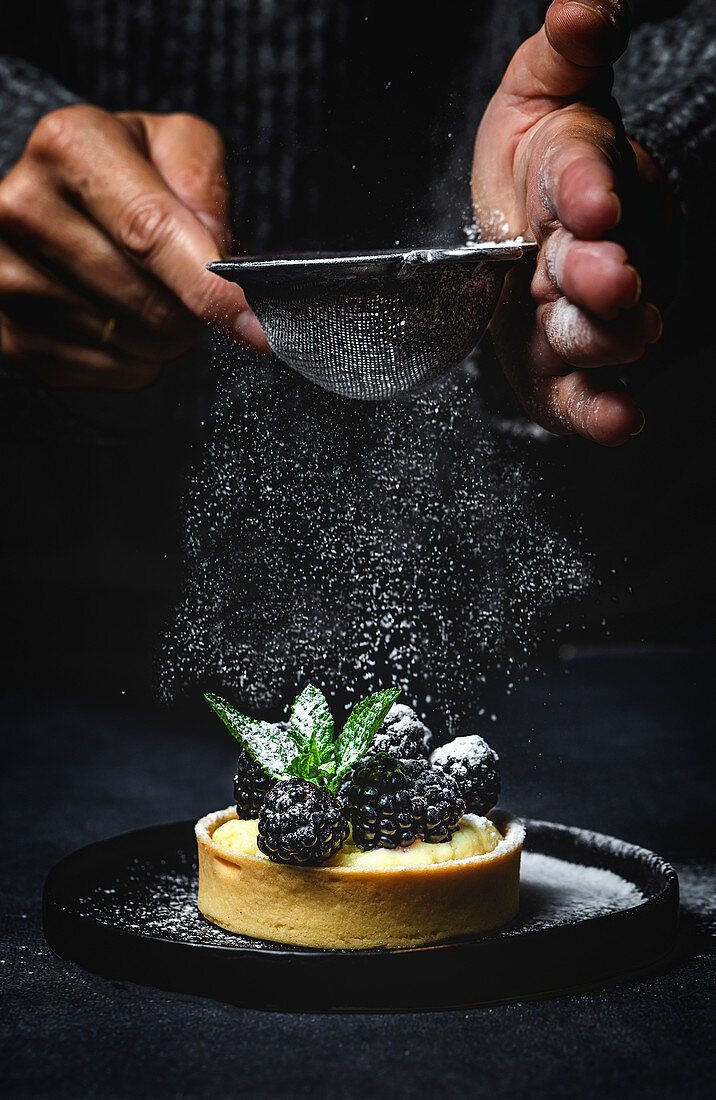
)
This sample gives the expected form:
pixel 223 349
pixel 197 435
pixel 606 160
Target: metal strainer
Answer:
pixel 374 325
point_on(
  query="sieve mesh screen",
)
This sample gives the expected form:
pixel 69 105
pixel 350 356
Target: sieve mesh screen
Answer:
pixel 375 325
pixel 377 340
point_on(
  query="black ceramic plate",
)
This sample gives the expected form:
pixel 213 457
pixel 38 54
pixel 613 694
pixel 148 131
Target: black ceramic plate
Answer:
pixel 592 909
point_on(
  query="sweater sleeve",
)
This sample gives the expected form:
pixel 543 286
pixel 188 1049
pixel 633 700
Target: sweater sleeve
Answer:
pixel 26 94
pixel 666 88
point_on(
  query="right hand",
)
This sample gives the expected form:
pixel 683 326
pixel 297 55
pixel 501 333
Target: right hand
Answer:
pixel 553 164
pixel 106 224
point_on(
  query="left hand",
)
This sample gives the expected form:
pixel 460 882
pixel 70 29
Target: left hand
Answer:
pixel 106 224
pixel 553 164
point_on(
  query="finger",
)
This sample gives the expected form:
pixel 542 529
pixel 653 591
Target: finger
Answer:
pixel 82 324
pixel 34 299
pixel 568 52
pixel 55 236
pixel 595 275
pixel 581 340
pixel 580 403
pixel 127 198
pixel 74 365
pixel 20 279
pixel 552 393
pixel 190 155
pixel 584 190
pixel 590 403
pixel 571 179
pixel 588 34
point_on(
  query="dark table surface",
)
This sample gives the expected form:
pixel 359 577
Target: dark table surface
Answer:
pixel 616 741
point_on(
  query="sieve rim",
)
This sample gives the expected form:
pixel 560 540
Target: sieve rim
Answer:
pixel 327 266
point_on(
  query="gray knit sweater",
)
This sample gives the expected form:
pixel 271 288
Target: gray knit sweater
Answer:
pixel 347 123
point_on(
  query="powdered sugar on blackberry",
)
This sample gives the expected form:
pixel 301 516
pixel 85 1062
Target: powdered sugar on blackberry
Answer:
pixel 469 751
pixel 357 545
pixel 402 726
pixel 475 767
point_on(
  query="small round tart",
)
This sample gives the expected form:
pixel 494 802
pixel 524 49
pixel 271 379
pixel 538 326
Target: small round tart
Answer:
pixel 409 897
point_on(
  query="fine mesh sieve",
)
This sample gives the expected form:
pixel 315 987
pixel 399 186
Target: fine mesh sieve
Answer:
pixel 374 325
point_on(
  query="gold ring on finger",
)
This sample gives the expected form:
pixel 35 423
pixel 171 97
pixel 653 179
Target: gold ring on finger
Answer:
pixel 108 329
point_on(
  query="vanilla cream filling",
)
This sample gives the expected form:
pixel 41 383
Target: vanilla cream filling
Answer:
pixel 476 836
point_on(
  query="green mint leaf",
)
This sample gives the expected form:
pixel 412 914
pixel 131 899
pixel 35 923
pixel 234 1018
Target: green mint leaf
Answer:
pixel 312 725
pixel 298 766
pixel 273 749
pixel 363 723
pixel 307 766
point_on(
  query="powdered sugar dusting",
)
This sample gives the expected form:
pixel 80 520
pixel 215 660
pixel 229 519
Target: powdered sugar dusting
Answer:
pixel 158 898
pixel 355 546
pixel 568 329
pixel 501 226
pixel 163 904
pixel 155 902
pixel 402 721
pixel 472 750
pixel 556 892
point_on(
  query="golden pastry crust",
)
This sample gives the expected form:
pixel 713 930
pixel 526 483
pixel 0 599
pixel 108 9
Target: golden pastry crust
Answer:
pixel 350 907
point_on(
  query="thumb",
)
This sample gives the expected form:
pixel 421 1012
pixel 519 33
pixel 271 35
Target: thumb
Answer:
pixel 577 41
pixel 189 154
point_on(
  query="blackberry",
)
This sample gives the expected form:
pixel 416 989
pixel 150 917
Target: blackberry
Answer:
pixel 403 735
pixel 251 785
pixel 393 802
pixel 475 767
pixel 301 823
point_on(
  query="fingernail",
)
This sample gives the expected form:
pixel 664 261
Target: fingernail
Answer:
pixel 594 11
pixel 248 329
pixel 659 321
pixel 640 429
pixel 637 295
pixel 618 217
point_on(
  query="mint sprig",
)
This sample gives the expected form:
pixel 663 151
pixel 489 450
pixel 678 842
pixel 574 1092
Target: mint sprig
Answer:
pixel 309 749
pixel 311 724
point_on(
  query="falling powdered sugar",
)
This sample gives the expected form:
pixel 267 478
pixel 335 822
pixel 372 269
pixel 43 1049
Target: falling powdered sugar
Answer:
pixel 501 226
pixel 356 545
